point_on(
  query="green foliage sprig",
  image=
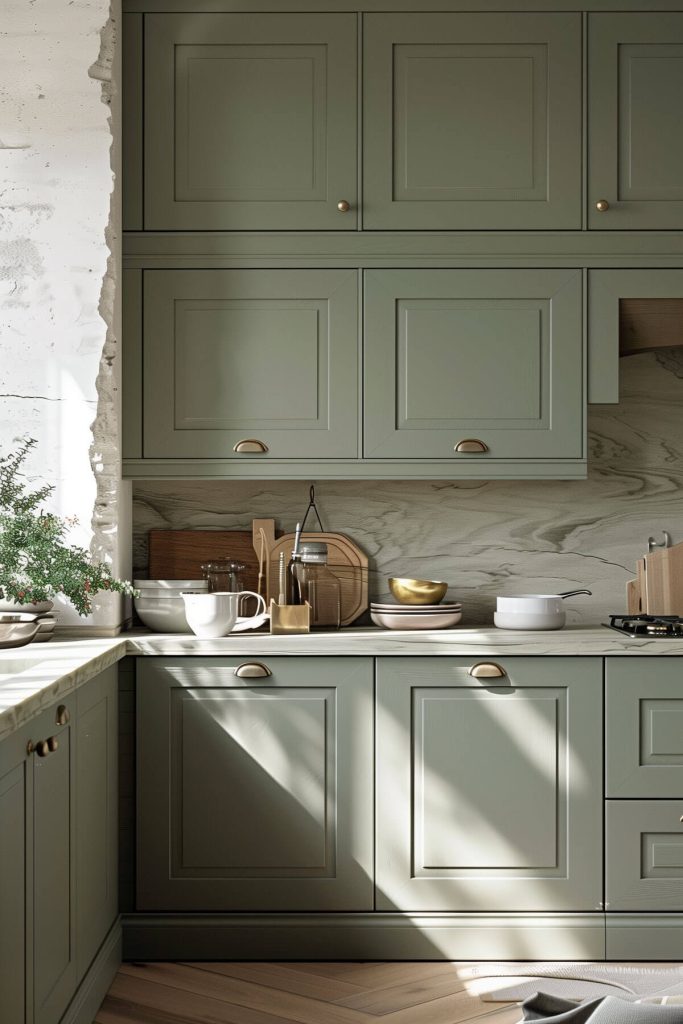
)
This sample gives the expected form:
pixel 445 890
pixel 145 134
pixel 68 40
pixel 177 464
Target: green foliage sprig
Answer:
pixel 36 563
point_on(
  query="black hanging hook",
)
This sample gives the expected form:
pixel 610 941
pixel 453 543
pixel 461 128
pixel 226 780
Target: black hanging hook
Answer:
pixel 312 505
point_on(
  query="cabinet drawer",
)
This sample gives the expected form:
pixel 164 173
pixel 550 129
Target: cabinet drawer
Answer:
pixel 253 791
pixel 490 355
pixel 644 855
pixel 270 355
pixel 644 727
pixel 488 789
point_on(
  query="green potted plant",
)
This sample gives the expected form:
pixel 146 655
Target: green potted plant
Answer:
pixel 36 562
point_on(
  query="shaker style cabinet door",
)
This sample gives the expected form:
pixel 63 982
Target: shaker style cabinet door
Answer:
pixel 14 838
pixel 267 357
pixel 635 121
pixel 254 784
pixel 489 794
pixel 250 121
pixel 472 121
pixel 474 364
pixel 644 855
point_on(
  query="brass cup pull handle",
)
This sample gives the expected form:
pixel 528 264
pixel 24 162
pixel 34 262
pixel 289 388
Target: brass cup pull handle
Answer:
pixel 250 444
pixel 681 819
pixel 487 670
pixel 62 717
pixel 343 206
pixel 41 748
pixel 52 744
pixel 602 205
pixel 471 444
pixel 252 670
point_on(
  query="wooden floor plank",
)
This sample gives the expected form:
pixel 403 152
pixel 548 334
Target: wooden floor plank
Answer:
pixel 287 978
pixel 397 997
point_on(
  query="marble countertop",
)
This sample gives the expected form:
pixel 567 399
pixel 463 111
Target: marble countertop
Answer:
pixel 35 676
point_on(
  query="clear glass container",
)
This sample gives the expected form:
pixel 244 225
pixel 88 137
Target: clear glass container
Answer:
pixel 318 585
pixel 224 576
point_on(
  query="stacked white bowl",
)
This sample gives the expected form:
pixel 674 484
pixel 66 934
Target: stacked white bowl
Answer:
pixel 413 616
pixel 160 605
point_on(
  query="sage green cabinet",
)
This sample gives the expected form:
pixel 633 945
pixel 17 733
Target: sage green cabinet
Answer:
pixel 250 121
pixel 490 355
pixel 644 855
pixel 472 121
pixel 97 814
pixel 489 789
pixel 254 784
pixel 644 727
pixel 14 840
pixel 635 120
pixel 270 355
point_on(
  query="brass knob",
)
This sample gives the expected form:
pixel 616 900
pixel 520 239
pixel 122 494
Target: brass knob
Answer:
pixel 487 670
pixel 52 744
pixel 681 819
pixel 602 205
pixel 343 206
pixel 63 716
pixel 42 749
pixel 30 747
pixel 250 444
pixel 252 670
pixel 470 444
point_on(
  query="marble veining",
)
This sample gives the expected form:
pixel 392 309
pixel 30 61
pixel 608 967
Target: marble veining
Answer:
pixel 494 537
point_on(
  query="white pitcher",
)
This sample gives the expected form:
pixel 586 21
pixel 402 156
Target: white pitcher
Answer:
pixel 215 615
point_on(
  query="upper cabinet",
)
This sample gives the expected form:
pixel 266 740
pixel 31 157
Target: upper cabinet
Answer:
pixel 472 121
pixel 635 118
pixel 250 121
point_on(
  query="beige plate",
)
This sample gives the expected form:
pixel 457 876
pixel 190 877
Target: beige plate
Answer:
pixel 17 634
pixel 419 609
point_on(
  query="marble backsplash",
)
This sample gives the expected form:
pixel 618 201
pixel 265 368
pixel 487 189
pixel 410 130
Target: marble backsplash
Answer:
pixel 492 537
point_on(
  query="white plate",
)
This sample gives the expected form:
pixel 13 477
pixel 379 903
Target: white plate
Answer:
pixel 443 620
pixel 411 609
pixel 171 584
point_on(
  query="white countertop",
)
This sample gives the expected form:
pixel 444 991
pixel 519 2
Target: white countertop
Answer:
pixel 35 676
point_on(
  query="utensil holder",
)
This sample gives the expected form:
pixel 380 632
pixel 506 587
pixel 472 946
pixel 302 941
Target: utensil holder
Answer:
pixel 290 618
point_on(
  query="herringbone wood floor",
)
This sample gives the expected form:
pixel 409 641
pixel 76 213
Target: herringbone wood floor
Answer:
pixel 318 993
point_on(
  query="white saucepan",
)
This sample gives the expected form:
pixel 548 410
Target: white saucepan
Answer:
pixel 532 611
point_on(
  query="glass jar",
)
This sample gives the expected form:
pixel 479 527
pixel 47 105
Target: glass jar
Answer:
pixel 224 576
pixel 318 585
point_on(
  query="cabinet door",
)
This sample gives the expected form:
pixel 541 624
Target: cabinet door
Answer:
pixel 270 355
pixel 96 814
pixel 254 792
pixel 644 733
pixel 635 91
pixel 644 855
pixel 14 837
pixel 250 121
pixel 486 354
pixel 489 794
pixel 472 121
pixel 54 836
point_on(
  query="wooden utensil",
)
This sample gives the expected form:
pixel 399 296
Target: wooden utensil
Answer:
pixel 345 559
pixel 633 599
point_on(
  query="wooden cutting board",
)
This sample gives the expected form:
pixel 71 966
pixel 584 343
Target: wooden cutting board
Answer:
pixel 343 555
pixel 664 581
pixel 180 554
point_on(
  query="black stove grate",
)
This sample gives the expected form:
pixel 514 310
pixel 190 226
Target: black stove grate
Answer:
pixel 652 627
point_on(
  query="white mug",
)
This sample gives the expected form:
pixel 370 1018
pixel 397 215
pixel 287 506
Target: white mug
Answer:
pixel 214 615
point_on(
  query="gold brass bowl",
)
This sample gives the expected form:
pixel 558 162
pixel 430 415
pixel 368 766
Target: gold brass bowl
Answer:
pixel 407 591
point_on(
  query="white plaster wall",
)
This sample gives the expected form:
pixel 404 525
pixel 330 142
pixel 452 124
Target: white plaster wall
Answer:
pixel 58 275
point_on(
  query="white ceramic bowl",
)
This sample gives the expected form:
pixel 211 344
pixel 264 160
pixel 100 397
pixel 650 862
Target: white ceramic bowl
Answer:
pixel 405 620
pixel 173 585
pixel 424 609
pixel 162 612
pixel 529 620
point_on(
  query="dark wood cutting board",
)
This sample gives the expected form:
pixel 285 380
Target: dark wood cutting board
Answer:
pixel 180 554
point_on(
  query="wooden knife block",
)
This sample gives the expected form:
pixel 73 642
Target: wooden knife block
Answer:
pixel 658 588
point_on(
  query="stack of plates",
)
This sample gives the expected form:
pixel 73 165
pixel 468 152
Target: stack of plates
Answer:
pixel 26 627
pixel 412 616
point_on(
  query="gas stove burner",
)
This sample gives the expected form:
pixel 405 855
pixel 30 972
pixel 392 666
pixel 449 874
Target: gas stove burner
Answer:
pixel 648 626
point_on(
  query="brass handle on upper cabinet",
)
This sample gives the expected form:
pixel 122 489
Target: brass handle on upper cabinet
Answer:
pixel 63 716
pixel 252 670
pixel 52 744
pixel 471 444
pixel 250 444
pixel 602 205
pixel 487 670
pixel 343 206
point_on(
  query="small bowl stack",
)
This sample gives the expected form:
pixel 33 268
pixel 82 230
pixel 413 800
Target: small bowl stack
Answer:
pixel 419 605
pixel 160 605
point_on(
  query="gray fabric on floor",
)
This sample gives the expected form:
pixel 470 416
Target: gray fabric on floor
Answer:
pixel 610 1010
pixel 514 982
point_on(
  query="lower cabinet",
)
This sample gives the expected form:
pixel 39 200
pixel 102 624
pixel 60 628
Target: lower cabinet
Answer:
pixel 489 784
pixel 644 855
pixel 57 843
pixel 254 784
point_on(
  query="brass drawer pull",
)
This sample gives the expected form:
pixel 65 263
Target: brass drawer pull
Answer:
pixel 602 206
pixel 343 206
pixel 52 744
pixel 471 444
pixel 250 444
pixel 42 749
pixel 487 670
pixel 252 670
pixel 63 715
